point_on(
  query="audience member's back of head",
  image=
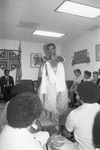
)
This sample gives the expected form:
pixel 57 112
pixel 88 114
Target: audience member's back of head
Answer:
pixel 23 109
pixel 96 131
pixel 88 92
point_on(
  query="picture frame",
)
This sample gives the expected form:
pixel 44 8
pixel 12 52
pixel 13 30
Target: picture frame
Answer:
pixel 81 57
pixel 35 60
pixel 8 59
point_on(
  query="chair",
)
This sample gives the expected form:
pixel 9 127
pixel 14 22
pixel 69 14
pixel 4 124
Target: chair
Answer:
pixel 24 86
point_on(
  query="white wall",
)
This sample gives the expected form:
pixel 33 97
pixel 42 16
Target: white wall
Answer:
pixel 87 41
pixel 27 48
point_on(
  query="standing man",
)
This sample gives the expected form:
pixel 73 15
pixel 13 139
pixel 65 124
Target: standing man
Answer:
pixel 53 92
pixel 6 83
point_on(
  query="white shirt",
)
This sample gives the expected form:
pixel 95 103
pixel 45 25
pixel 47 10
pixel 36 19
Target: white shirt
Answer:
pixel 80 121
pixel 20 139
pixel 86 80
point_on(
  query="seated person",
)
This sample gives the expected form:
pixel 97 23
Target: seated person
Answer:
pixel 96 131
pixel 74 101
pixel 6 83
pixel 96 78
pixel 35 86
pixel 77 80
pixel 21 132
pixel 80 120
pixel 87 76
pixel 73 89
pixel 99 73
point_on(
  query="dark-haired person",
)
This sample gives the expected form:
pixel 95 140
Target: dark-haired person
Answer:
pixel 80 120
pixel 99 72
pixel 6 83
pixel 21 132
pixel 87 76
pixel 78 77
pixel 96 131
pixel 77 80
pixel 53 92
pixel 36 86
pixel 96 78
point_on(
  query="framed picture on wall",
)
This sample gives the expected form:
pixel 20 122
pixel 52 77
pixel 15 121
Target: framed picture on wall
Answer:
pixel 97 50
pixel 35 60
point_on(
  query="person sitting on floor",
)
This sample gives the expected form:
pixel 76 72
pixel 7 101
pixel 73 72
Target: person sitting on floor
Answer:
pixel 96 131
pixel 6 83
pixel 21 132
pixel 80 121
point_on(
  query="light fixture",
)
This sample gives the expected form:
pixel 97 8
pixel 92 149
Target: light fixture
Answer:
pixel 47 33
pixel 78 9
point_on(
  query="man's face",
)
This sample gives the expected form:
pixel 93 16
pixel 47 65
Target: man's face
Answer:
pixel 52 50
pixel 86 76
pixel 77 74
pixel 6 72
pixel 95 76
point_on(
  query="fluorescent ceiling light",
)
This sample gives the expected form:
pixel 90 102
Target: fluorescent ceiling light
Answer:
pixel 79 9
pixel 47 33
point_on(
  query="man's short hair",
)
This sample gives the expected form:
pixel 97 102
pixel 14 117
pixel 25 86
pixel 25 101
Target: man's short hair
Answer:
pixel 77 70
pixel 51 44
pixel 96 72
pixel 96 131
pixel 87 73
pixel 6 71
pixel 23 109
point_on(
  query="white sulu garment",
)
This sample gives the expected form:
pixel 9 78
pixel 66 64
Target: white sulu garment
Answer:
pixel 58 78
pixel 53 86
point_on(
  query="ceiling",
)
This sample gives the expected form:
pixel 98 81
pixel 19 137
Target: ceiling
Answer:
pixel 19 18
